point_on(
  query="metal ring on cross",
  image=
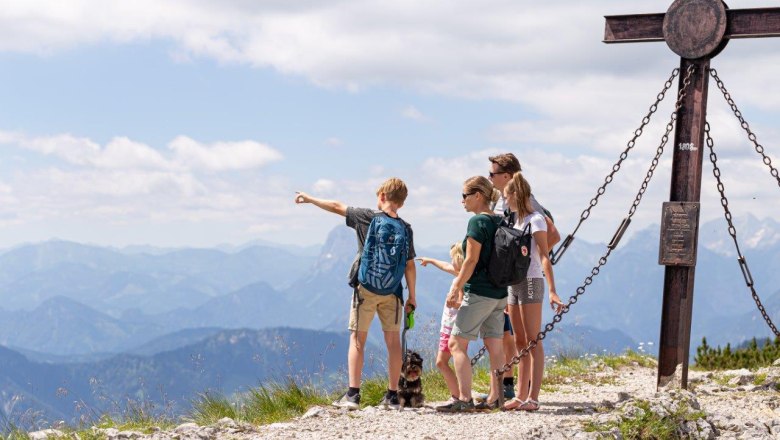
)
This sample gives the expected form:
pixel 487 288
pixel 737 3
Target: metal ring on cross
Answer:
pixel 695 28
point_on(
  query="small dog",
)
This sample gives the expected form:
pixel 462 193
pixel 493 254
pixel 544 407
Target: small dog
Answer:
pixel 410 384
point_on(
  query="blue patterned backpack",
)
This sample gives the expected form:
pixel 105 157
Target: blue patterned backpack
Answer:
pixel 385 252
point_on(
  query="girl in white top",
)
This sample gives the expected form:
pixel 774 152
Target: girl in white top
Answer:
pixel 525 299
pixel 447 318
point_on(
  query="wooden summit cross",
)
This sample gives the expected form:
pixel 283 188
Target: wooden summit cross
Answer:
pixel 696 30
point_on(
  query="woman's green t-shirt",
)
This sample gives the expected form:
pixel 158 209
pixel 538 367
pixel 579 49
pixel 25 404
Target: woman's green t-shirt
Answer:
pixel 482 228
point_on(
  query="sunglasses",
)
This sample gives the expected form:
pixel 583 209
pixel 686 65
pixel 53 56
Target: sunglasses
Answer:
pixel 492 174
pixel 467 194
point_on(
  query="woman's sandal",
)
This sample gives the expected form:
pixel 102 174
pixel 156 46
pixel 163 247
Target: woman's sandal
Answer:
pixel 529 405
pixel 513 404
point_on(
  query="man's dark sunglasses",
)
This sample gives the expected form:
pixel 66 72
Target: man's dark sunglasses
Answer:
pixel 492 174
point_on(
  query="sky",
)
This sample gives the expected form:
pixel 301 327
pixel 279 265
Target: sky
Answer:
pixel 193 123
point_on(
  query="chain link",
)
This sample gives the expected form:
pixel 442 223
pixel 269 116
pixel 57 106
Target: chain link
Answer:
pixel 751 136
pixel 733 231
pixel 478 356
pixel 603 260
pixel 557 254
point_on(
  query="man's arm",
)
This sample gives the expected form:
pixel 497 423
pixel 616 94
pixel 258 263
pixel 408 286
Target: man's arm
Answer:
pixel 333 206
pixel 553 236
pixel 411 278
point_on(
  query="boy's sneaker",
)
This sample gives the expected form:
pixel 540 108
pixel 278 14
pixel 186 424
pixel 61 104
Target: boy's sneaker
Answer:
pixel 509 391
pixel 457 406
pixel 390 402
pixel 347 402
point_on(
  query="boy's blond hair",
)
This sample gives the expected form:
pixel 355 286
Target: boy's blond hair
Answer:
pixel 394 190
pixel 456 253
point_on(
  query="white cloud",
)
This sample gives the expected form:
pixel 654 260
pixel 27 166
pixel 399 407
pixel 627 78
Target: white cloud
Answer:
pixel 222 156
pixel 411 112
pixel 323 186
pixel 122 153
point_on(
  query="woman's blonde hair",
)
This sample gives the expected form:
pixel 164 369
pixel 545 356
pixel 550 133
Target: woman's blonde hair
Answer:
pixel 520 190
pixel 456 254
pixel 496 196
pixel 481 185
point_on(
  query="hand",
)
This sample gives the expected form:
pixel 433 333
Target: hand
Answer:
pixel 301 197
pixel 423 261
pixel 453 297
pixel 555 302
pixel 411 304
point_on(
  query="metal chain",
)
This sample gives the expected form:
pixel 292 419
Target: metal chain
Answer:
pixel 733 231
pixel 759 148
pixel 603 260
pixel 556 255
pixel 478 356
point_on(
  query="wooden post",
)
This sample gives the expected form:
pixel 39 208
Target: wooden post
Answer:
pixel 686 187
pixel 696 30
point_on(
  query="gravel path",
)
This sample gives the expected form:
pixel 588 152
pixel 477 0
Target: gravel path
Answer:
pixel 737 405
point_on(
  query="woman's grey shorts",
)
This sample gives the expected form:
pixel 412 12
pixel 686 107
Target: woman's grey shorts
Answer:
pixel 480 316
pixel 530 291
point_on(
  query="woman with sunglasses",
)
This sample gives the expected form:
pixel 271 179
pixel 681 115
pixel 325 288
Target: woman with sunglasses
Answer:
pixel 482 309
pixel 525 299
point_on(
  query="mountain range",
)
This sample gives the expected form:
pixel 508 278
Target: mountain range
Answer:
pixel 73 311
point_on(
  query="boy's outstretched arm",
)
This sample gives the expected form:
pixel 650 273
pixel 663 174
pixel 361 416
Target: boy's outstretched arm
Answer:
pixel 411 277
pixel 333 206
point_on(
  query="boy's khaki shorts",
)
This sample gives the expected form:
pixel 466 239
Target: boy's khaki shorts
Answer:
pixel 388 307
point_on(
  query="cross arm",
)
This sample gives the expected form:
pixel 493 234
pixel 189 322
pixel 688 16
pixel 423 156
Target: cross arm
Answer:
pixel 742 23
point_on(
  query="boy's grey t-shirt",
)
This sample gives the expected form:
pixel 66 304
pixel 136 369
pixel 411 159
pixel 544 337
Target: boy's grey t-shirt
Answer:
pixel 359 219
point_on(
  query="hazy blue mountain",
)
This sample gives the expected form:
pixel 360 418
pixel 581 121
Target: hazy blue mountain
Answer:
pixel 227 362
pixel 113 281
pixel 257 305
pixel 173 341
pixel 61 326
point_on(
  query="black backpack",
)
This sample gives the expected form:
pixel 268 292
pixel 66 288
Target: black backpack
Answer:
pixel 511 254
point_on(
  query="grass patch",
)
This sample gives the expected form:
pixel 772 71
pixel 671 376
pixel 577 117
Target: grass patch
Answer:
pixel 723 379
pixel 628 359
pixel 263 405
pixel 760 379
pixel 645 424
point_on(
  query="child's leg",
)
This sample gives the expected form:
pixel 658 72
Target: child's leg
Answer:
pixel 357 343
pixel 394 359
pixel 521 340
pixel 389 309
pixel 361 314
pixel 532 320
pixel 443 364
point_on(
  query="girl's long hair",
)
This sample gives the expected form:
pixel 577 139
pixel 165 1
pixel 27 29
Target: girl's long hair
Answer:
pixel 520 190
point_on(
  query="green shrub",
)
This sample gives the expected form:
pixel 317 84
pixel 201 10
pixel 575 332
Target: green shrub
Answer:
pixel 752 356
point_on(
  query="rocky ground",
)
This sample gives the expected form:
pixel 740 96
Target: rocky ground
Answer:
pixel 731 404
